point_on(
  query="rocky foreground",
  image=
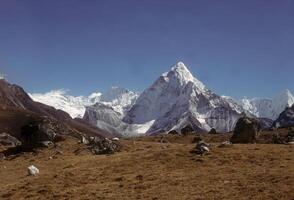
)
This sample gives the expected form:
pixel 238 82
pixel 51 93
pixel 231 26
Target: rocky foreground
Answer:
pixel 152 168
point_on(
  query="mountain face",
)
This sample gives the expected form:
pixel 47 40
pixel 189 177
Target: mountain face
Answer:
pixel 268 108
pixel 286 118
pixel 178 99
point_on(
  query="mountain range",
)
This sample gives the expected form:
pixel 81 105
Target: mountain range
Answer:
pixel 176 99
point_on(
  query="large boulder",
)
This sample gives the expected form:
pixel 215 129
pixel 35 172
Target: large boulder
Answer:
pixel 187 130
pixel 212 131
pixel 36 132
pixel 246 130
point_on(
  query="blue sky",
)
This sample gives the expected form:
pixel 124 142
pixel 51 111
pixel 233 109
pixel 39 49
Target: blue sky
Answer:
pixel 237 48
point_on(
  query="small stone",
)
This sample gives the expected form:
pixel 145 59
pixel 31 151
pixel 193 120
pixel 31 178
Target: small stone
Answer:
pixel 115 139
pixel 33 171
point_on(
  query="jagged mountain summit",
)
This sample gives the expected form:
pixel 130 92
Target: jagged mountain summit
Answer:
pixel 268 108
pixel 178 99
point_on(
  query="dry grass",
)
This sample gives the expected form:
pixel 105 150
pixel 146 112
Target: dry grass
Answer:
pixel 147 169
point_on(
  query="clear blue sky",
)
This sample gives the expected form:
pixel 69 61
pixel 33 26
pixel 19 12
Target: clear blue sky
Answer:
pixel 237 48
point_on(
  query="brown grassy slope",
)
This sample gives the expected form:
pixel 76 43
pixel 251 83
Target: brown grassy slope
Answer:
pixel 149 170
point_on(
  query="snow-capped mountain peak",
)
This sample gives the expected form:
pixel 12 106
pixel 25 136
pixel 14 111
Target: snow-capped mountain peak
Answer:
pixel 177 99
pixel 180 74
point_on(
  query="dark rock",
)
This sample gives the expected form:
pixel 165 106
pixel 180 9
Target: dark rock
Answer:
pixel 246 131
pixel 201 148
pixel 173 132
pixel 187 130
pixel 277 139
pixel 212 131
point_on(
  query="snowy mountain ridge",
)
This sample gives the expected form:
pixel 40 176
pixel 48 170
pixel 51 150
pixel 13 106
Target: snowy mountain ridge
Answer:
pixel 268 107
pixel 118 98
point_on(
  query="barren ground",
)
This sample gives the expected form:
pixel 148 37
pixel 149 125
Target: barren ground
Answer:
pixel 147 169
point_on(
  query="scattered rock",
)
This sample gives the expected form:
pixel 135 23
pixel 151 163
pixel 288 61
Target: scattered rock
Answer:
pixel 201 148
pixel 225 144
pixel 58 152
pixel 84 140
pixel 290 143
pixel 33 171
pixel 46 143
pixel 246 131
pixel 103 146
pixel 163 140
pixel 139 178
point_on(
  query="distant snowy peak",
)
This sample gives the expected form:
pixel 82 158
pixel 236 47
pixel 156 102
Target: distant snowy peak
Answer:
pixel 60 99
pixel 118 98
pixel 268 107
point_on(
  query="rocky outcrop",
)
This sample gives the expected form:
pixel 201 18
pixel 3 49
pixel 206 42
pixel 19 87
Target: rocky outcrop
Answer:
pixel 100 146
pixel 8 140
pixel 246 131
